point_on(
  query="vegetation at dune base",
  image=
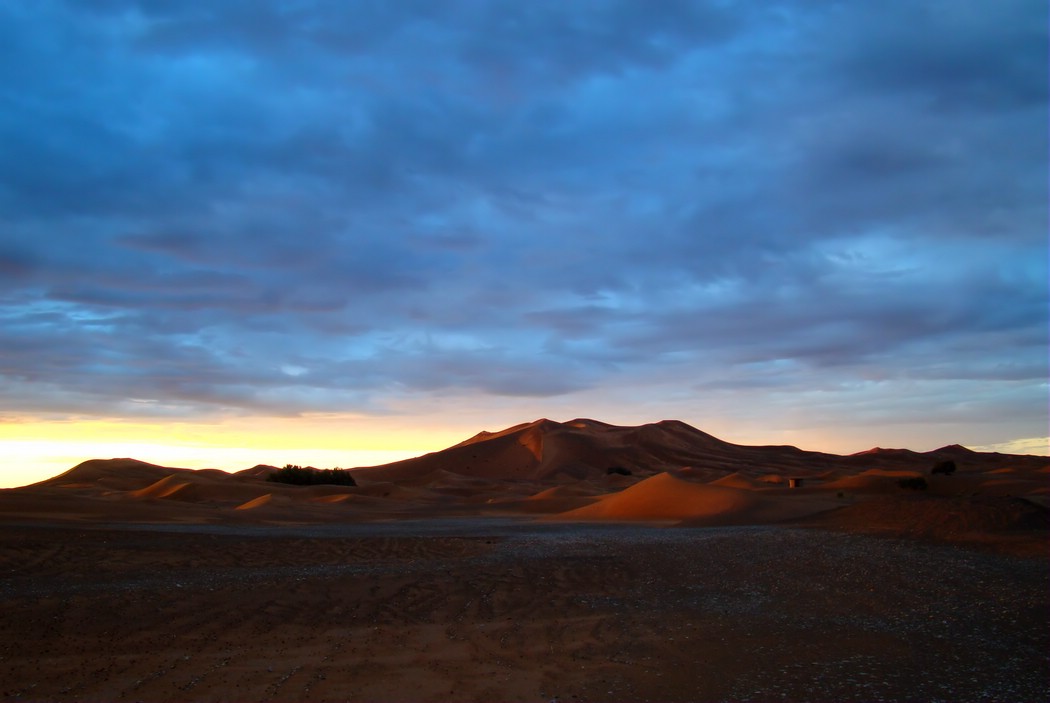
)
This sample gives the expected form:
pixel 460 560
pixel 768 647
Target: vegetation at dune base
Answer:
pixel 943 467
pixel 309 476
pixel 917 483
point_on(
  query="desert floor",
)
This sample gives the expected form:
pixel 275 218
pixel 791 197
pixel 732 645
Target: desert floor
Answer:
pixel 500 609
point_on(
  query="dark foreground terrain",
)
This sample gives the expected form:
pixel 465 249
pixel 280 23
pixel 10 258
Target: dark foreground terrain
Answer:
pixel 492 609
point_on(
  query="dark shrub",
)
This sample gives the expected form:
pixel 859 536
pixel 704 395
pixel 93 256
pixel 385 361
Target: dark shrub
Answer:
pixel 943 467
pixel 619 470
pixel 917 483
pixel 309 476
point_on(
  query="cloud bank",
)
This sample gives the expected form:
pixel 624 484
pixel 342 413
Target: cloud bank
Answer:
pixel 284 208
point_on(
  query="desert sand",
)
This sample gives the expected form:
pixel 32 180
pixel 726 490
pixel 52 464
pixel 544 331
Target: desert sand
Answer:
pixel 550 561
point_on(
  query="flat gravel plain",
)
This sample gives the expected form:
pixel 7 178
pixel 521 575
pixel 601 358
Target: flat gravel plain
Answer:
pixel 493 609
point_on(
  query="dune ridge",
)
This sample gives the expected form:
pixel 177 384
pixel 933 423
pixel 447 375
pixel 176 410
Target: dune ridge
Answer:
pixel 583 469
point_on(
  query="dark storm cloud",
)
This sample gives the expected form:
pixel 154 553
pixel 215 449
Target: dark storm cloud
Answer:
pixel 284 207
pixel 958 56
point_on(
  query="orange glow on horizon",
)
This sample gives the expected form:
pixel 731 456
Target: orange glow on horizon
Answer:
pixel 35 451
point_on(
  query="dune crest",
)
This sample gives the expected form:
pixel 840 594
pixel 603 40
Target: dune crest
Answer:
pixel 168 487
pixel 256 502
pixel 736 480
pixel 665 497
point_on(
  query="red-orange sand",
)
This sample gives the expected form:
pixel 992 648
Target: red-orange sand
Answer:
pixel 572 562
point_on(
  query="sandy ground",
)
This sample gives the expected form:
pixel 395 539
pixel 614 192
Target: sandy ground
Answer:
pixel 490 609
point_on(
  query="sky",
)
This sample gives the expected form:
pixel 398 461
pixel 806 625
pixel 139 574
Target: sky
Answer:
pixel 344 233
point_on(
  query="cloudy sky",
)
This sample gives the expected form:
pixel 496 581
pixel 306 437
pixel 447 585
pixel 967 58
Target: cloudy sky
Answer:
pixel 236 227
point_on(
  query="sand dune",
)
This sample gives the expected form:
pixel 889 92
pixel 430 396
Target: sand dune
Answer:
pixel 162 488
pixel 208 487
pixel 256 502
pixel 873 481
pixel 736 480
pixel 575 490
pixel 340 498
pixel 113 474
pixel 171 490
pixel 664 497
pixel 582 449
pixel 262 471
pixel 579 470
pixel 553 500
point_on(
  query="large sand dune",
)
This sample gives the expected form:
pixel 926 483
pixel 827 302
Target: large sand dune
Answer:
pixel 580 449
pixel 579 470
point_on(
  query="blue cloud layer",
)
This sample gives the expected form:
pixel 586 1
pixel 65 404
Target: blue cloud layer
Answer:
pixel 283 207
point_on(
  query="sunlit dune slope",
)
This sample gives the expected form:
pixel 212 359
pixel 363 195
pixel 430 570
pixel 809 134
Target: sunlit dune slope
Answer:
pixel 664 497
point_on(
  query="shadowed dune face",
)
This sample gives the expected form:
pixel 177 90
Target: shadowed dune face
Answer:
pixel 262 471
pixel 576 450
pixel 579 470
pixel 115 474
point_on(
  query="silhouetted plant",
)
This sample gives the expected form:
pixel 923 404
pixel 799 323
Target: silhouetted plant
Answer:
pixel 917 483
pixel 619 470
pixel 309 476
pixel 946 467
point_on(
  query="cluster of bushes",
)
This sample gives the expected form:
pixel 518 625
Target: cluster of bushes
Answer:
pixel 309 476
pixel 943 467
pixel 917 483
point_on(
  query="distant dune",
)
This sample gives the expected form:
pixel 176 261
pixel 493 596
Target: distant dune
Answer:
pixel 579 470
pixel 115 474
